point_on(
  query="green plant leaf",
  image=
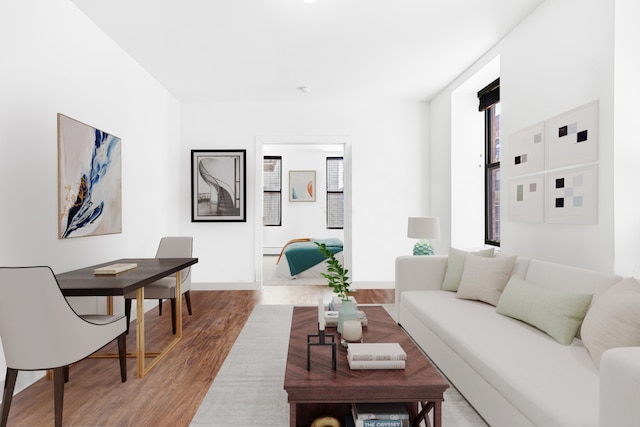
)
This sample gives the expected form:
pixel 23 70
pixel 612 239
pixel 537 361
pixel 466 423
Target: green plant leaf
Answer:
pixel 336 274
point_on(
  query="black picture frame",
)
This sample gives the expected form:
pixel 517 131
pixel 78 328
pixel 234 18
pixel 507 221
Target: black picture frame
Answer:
pixel 218 185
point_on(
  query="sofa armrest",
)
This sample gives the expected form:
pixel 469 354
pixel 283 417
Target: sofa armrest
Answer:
pixel 620 387
pixel 422 272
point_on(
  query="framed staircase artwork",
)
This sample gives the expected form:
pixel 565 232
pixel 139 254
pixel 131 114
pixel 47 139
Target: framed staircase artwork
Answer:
pixel 218 185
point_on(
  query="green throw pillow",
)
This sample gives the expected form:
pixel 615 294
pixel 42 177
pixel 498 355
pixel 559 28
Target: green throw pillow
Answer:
pixel 557 313
pixel 455 267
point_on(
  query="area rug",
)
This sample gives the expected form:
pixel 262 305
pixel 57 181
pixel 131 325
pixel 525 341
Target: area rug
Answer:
pixel 248 390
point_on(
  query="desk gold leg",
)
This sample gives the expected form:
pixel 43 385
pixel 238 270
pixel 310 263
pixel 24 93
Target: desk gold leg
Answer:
pixel 179 304
pixel 140 354
pixel 159 356
pixel 140 332
pixel 110 305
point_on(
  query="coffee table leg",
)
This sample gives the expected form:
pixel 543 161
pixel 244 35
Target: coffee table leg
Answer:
pixel 437 414
pixel 292 414
pixel 435 408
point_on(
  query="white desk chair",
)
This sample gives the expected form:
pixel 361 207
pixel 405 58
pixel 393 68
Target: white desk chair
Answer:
pixel 40 331
pixel 165 288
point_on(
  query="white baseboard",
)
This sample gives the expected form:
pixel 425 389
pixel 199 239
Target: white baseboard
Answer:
pixel 243 286
pixel 271 250
pixel 226 286
pixel 374 285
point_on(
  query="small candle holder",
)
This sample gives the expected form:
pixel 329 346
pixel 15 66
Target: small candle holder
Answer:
pixel 322 340
pixel 351 332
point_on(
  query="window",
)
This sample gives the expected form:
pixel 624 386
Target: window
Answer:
pixel 490 104
pixel 272 191
pixel 335 192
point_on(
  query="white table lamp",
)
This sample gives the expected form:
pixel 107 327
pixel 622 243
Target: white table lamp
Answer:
pixel 423 228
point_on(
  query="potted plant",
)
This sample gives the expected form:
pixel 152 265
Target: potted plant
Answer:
pixel 339 282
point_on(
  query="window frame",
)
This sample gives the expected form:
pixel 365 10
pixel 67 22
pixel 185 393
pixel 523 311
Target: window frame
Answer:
pixel 278 192
pixel 489 98
pixel 330 192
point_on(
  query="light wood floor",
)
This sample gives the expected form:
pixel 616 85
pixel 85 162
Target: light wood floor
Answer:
pixel 171 393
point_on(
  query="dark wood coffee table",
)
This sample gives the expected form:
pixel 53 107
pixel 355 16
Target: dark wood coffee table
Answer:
pixel 323 391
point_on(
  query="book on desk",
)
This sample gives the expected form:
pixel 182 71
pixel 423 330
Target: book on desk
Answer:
pixel 115 268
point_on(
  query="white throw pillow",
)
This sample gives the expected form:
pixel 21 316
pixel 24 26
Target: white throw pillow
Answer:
pixel 613 319
pixel 483 279
pixel 455 267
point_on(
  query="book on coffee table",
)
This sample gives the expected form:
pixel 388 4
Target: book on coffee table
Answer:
pixel 331 318
pixel 376 356
pixel 379 414
pixel 376 364
pixel 376 351
pixel 336 303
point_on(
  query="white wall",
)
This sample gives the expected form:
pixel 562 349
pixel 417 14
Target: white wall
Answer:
pixel 54 59
pixel 627 139
pixel 388 147
pixel 558 58
pixel 627 146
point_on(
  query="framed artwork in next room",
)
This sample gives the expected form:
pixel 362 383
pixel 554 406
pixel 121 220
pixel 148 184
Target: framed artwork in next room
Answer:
pixel 302 186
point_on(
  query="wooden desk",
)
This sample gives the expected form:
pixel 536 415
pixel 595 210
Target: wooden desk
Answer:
pixel 323 391
pixel 84 282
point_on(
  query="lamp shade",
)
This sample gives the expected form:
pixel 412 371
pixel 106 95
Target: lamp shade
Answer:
pixel 424 227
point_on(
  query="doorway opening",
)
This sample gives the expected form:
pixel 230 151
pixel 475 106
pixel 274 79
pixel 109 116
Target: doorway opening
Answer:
pixel 300 219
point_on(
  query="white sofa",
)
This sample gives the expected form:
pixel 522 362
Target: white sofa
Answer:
pixel 512 373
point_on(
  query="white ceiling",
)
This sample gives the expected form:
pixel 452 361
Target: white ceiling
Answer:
pixel 263 50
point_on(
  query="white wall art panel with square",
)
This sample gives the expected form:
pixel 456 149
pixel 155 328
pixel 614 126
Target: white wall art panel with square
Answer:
pixel 526 199
pixel 526 150
pixel 572 196
pixel 572 137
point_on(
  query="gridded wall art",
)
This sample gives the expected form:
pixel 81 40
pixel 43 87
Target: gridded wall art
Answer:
pixel 547 149
pixel 526 150
pixel 572 196
pixel 89 180
pixel 572 137
pixel 527 199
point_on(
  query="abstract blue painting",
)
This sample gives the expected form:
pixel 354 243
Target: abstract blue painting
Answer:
pixel 89 180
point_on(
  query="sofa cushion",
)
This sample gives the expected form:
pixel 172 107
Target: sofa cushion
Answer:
pixel 483 279
pixel 521 362
pixel 568 278
pixel 455 266
pixel 613 320
pixel 559 314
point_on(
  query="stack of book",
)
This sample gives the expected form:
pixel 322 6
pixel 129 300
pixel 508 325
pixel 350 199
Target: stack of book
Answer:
pixel 336 303
pixel 379 415
pixel 376 356
pixel 331 318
